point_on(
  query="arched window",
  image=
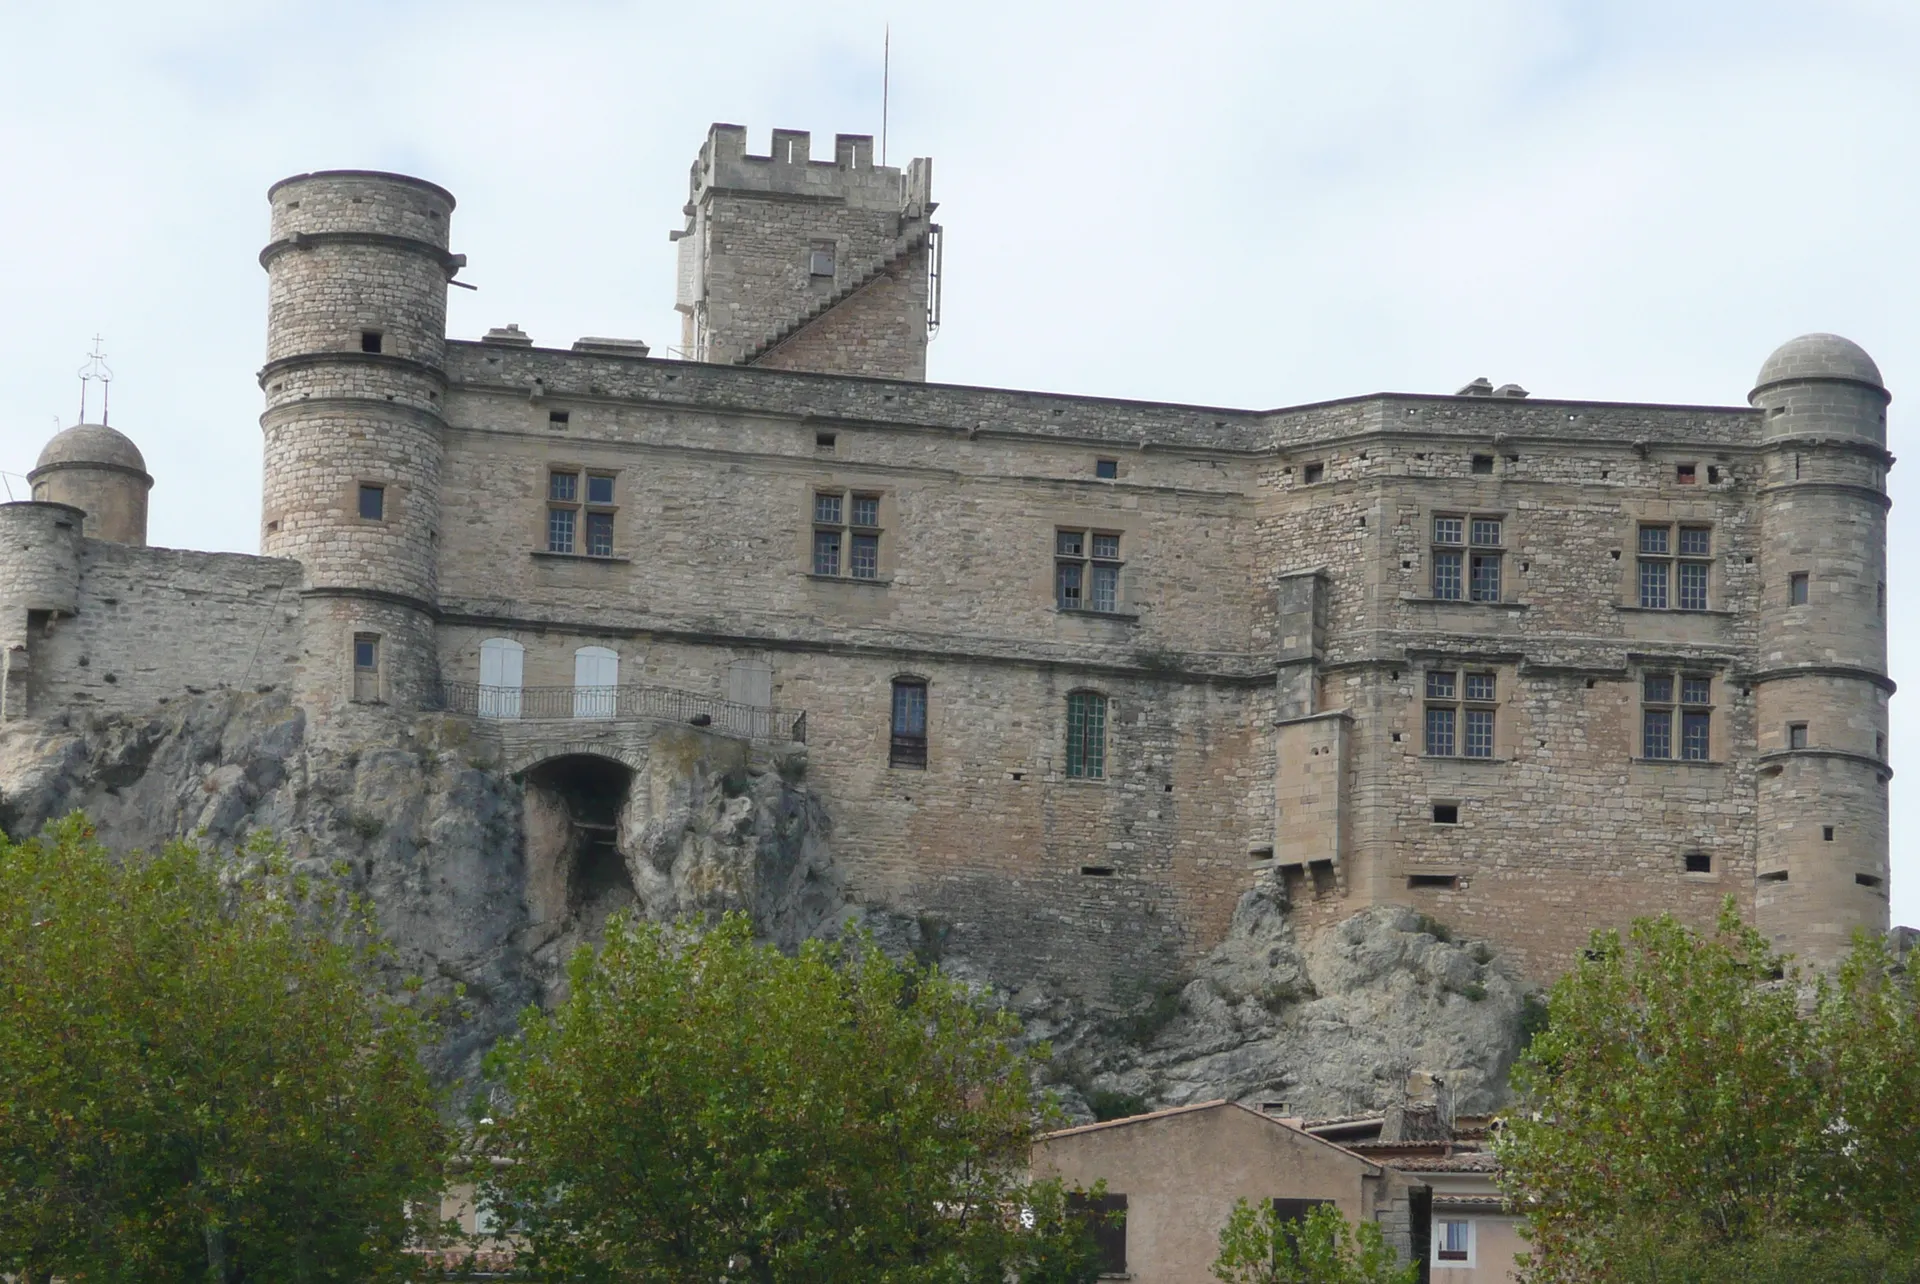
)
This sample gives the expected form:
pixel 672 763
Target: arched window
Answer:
pixel 501 662
pixel 596 682
pixel 1086 735
pixel 908 747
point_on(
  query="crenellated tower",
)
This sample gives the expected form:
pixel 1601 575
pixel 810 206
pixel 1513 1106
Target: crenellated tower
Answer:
pixel 355 383
pixel 1820 681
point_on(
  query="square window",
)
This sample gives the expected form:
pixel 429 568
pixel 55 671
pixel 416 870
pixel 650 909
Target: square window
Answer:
pixel 1695 689
pixel 1106 588
pixel 1449 530
pixel 866 510
pixel 1107 547
pixel 1797 735
pixel 1485 585
pixel 1446 576
pixel 599 489
pixel 820 259
pixel 370 341
pixel 559 530
pixel 558 419
pixel 600 534
pixel 1483 465
pixel 826 552
pixel 1440 733
pixel 1654 540
pixel 1696 541
pixel 1653 585
pixel 1693 586
pixel 1656 738
pixel 1486 532
pixel 1797 589
pixel 865 562
pixel 1069 584
pixel 366 651
pixel 1657 688
pixel 1452 1241
pixel 1439 684
pixel 1106 468
pixel 1479 733
pixel 1446 813
pixel 373 503
pixel 1826 833
pixel 1480 687
pixel 1694 734
pixel 826 509
pixel 823 441
pixel 1697 863
pixel 563 486
pixel 1314 473
pixel 1686 474
pixel 1070 543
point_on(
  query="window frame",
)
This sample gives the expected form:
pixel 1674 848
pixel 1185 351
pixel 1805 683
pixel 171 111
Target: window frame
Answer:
pixel 905 749
pixel 1084 707
pixel 579 512
pixel 831 250
pixel 1678 712
pixel 857 544
pixel 1673 566
pixel 1469 557
pixel 1462 712
pixel 1468 1257
pixel 1087 569
pixel 361 491
pixel 368 678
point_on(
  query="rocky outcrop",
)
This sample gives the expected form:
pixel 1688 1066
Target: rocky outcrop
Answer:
pixel 487 881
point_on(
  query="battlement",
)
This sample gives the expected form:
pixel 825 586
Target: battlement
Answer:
pixel 789 169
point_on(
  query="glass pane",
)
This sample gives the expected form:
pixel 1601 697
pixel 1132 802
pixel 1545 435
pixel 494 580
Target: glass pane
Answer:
pixel 1657 738
pixel 1653 539
pixel 1693 586
pixel 373 502
pixel 1106 588
pixel 365 653
pixel 1107 468
pixel 1486 531
pixel 1446 576
pixel 1479 733
pixel 1070 543
pixel 1653 585
pixel 600 534
pixel 866 510
pixel 1693 736
pixel 1449 530
pixel 1068 585
pixel 909 709
pixel 1440 733
pixel 559 530
pixel 1657 688
pixel 1696 690
pixel 1480 686
pixel 826 552
pixel 1696 541
pixel 826 509
pixel 1797 591
pixel 865 562
pixel 599 490
pixel 563 486
pixel 1486 577
pixel 1107 547
pixel 1440 684
pixel 1086 735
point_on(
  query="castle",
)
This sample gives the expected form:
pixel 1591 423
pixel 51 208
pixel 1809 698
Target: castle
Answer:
pixel 1072 673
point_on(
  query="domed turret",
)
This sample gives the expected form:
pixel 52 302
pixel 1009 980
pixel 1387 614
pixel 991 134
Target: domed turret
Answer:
pixel 1819 356
pixel 99 471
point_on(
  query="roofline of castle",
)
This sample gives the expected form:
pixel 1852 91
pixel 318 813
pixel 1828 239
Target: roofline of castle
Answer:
pixel 381 174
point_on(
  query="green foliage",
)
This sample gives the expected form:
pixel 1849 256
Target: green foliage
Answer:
pixel 705 1107
pixel 1107 1104
pixel 1654 1255
pixel 1258 1247
pixel 195 1084
pixel 1682 1095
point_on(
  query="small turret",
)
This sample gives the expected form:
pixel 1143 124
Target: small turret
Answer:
pixel 99 471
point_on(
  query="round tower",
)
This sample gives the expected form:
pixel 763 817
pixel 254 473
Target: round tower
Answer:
pixel 39 584
pixel 357 274
pixel 1820 681
pixel 99 471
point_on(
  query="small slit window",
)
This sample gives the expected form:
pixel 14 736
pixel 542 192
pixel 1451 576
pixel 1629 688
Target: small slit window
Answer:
pixel 370 340
pixel 1797 589
pixel 373 502
pixel 1313 474
pixel 1106 469
pixel 1446 813
pixel 1447 882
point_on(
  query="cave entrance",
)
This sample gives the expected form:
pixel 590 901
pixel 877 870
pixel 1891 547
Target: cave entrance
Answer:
pixel 573 829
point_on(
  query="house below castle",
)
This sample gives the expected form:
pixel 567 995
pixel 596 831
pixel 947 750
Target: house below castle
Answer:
pixel 1073 672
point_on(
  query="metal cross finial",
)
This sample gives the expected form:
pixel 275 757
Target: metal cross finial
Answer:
pixel 96 368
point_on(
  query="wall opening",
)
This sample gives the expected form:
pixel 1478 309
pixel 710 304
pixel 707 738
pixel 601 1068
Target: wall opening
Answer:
pixel 574 865
pixel 1698 863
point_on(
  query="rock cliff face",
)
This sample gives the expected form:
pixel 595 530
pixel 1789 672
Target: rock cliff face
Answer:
pixel 487 882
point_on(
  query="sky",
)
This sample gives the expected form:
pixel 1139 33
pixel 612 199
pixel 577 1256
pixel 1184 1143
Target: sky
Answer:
pixel 1257 204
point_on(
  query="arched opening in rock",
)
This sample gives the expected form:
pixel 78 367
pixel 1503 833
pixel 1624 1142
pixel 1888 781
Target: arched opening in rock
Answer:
pixel 574 866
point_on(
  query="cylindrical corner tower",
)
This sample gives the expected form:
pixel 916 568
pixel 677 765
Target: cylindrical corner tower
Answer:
pixel 39 583
pixel 1821 678
pixel 354 381
pixel 100 472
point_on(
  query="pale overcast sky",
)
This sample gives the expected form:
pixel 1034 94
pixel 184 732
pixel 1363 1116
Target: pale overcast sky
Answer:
pixel 1248 205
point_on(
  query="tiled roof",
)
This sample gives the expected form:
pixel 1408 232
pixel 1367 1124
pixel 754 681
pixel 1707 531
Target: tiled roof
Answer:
pixel 1472 1161
pixel 1134 1119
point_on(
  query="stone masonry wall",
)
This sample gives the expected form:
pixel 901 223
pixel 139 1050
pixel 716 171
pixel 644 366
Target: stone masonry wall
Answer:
pixel 879 331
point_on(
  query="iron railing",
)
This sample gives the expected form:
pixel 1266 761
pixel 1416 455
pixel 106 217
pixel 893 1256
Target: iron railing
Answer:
pixel 556 704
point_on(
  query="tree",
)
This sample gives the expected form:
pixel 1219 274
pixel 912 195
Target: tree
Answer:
pixel 196 1082
pixel 1258 1246
pixel 702 1108
pixel 1694 1097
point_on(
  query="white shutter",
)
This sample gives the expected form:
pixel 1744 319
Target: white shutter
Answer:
pixel 596 681
pixel 500 669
